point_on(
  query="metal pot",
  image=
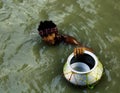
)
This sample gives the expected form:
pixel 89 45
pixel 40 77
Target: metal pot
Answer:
pixel 83 70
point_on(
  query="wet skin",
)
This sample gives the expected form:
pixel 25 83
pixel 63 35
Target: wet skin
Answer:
pixel 50 39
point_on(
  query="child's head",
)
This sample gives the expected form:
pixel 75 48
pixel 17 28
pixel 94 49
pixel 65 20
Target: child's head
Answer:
pixel 46 28
pixel 48 31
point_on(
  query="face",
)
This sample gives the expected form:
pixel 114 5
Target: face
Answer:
pixel 50 39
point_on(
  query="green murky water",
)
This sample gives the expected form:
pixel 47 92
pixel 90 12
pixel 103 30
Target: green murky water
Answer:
pixel 28 65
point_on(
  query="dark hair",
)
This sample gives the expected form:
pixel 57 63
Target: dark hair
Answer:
pixel 47 27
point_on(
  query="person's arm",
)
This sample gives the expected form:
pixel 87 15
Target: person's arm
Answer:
pixel 80 48
pixel 71 40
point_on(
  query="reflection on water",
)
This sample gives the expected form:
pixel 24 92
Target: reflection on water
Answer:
pixel 28 65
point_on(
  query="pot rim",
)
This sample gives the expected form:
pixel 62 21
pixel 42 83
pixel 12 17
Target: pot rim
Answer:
pixel 86 52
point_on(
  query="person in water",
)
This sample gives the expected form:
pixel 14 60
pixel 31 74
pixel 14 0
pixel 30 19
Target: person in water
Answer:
pixel 49 33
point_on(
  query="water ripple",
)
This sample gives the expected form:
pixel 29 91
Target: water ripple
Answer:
pixel 55 86
pixel 4 15
pixel 87 5
pixel 108 75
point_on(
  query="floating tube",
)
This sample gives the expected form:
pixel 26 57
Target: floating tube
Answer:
pixel 83 70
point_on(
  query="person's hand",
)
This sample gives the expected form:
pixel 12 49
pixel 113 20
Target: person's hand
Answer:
pixel 80 50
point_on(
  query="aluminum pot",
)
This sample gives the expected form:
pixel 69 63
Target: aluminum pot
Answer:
pixel 83 70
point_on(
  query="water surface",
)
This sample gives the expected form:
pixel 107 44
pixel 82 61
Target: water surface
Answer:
pixel 28 65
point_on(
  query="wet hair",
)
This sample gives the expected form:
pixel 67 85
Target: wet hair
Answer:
pixel 47 27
